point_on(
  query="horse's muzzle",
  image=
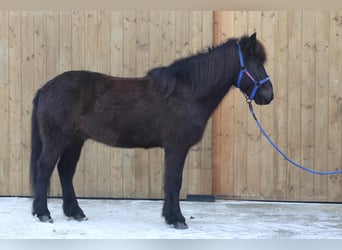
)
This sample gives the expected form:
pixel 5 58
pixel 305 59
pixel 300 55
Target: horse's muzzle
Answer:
pixel 264 99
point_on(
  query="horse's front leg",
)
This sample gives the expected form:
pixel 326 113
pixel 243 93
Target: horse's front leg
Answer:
pixel 174 164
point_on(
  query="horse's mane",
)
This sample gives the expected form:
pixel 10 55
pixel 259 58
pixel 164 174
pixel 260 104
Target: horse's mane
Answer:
pixel 206 70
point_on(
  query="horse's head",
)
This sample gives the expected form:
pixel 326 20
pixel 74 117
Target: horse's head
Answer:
pixel 253 80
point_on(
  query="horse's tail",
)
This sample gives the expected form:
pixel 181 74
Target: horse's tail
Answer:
pixel 36 144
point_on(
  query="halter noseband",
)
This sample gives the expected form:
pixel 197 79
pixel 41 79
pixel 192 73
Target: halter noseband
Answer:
pixel 243 70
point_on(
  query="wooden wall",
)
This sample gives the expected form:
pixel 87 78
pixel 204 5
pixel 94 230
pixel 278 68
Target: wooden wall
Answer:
pixel 305 119
pixel 36 46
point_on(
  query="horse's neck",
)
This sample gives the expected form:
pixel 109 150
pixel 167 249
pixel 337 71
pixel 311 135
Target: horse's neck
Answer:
pixel 211 102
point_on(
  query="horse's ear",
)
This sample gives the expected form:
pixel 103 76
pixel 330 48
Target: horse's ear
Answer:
pixel 253 40
pixel 249 44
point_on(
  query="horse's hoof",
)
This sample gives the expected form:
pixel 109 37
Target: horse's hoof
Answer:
pixel 180 225
pixel 80 217
pixel 45 218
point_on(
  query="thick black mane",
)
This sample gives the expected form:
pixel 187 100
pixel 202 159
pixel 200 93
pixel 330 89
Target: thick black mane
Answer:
pixel 206 70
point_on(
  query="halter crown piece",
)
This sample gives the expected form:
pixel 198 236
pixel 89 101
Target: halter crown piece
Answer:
pixel 243 70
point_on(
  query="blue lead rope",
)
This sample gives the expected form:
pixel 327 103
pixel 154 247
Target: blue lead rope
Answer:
pixel 282 153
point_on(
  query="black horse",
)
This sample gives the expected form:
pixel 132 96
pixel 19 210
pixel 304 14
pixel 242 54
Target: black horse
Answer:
pixel 168 108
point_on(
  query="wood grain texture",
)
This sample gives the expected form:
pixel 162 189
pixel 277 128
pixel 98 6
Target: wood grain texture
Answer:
pixel 307 102
pixel 253 135
pixel 280 103
pixel 304 61
pixel 4 104
pixel 223 130
pixel 73 57
pixel 294 97
pixel 103 65
pixel 53 69
pixel 36 46
pixel 335 105
pixel 240 120
pixel 14 178
pixel 321 103
pixel 28 90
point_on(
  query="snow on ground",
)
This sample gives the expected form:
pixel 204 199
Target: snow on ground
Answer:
pixel 141 219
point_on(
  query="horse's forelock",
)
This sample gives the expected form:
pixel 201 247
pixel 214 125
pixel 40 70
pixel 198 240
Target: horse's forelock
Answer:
pixel 256 49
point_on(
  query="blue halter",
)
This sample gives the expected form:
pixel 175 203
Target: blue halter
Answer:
pixel 243 70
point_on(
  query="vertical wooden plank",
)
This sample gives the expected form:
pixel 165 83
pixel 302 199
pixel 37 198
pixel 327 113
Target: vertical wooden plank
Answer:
pixel 129 23
pixel 207 29
pixel 182 50
pixel 117 70
pixel 104 41
pixel 206 144
pixel 195 31
pixel 280 104
pixel 195 28
pixel 223 119
pixel 52 69
pixel 294 100
pixel 129 70
pixel 216 119
pixel 320 186
pixel 40 50
pixel 52 43
pixel 156 155
pixel 182 45
pixel 28 91
pixel 240 122
pixel 91 39
pixel 117 43
pixel 168 40
pixel 62 60
pixel 90 148
pixel 15 95
pixel 253 133
pixel 335 105
pixel 267 114
pixel 142 56
pixel 65 41
pixel 169 36
pixel 4 104
pixel 308 102
pixel 77 63
pixel 104 66
pixel 78 39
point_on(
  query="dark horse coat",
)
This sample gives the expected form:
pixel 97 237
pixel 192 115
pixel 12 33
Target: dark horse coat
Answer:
pixel 168 108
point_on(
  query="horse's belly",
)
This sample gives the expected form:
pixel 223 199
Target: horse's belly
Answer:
pixel 124 138
pixel 137 140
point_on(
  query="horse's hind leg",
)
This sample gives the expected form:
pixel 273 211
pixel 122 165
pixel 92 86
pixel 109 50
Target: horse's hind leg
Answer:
pixel 66 169
pixel 174 164
pixel 51 151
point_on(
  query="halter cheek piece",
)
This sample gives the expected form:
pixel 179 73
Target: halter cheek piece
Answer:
pixel 243 70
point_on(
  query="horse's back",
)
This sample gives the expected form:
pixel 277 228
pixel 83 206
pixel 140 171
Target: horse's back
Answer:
pixel 86 101
pixel 125 112
pixel 63 99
